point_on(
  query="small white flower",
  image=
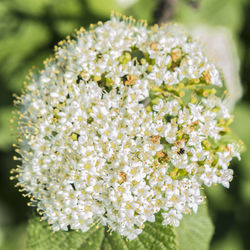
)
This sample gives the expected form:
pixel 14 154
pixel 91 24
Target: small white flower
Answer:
pixel 170 132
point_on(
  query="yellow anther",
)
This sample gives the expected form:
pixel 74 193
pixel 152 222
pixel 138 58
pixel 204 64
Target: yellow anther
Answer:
pixel 123 177
pixel 156 139
pixel 206 76
pixel 154 46
pixel 131 80
pixel 176 55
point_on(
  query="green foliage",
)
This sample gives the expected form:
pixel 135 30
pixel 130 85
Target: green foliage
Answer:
pixel 41 237
pixel 241 126
pixel 226 13
pixel 194 233
pixel 5 134
pixel 13 237
pixel 221 199
pixel 103 7
pixel 144 9
pixel 232 242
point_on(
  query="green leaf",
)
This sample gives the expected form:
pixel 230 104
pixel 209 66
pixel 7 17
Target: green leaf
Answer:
pixel 154 236
pixel 40 237
pixel 195 231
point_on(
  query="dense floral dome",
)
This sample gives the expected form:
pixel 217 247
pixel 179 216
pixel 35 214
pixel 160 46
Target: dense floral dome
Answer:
pixel 124 122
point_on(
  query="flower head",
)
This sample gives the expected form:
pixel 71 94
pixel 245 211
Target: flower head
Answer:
pixel 122 123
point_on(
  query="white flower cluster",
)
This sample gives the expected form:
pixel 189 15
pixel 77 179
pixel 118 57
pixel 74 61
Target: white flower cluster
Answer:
pixel 123 123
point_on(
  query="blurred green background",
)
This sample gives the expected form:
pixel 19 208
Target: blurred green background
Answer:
pixel 29 29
